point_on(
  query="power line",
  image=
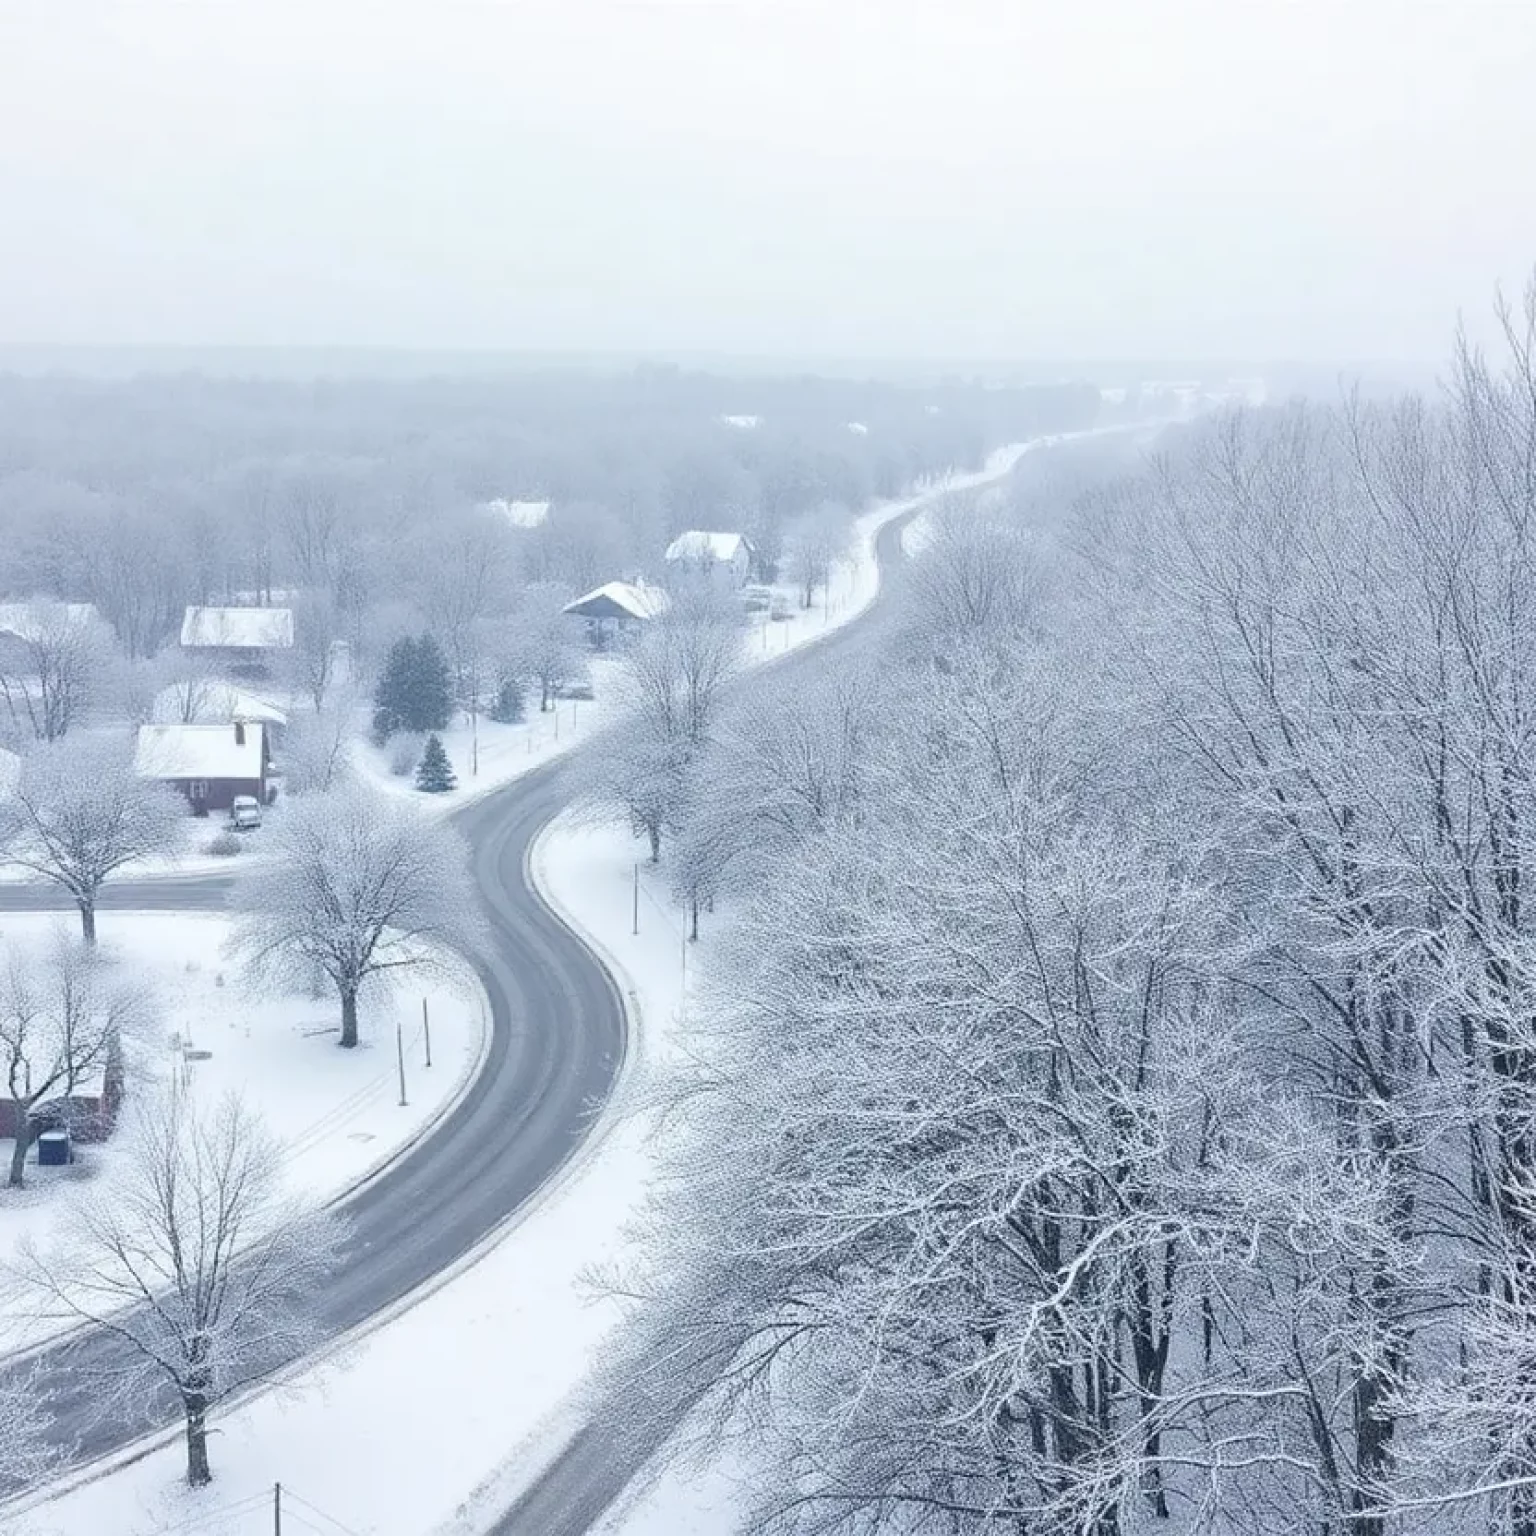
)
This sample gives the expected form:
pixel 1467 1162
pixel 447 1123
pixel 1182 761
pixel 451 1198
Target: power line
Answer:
pixel 346 1530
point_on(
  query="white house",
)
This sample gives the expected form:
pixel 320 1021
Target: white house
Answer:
pixel 242 639
pixel 728 554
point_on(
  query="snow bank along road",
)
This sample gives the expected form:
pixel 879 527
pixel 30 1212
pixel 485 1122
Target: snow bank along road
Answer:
pixel 558 1039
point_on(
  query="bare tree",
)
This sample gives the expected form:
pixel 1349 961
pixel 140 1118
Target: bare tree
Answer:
pixel 543 641
pixel 676 675
pixel 316 750
pixel 60 657
pixel 814 543
pixel 979 573
pixel 311 665
pixel 80 813
pixel 359 888
pixel 189 686
pixel 197 1262
pixel 64 1014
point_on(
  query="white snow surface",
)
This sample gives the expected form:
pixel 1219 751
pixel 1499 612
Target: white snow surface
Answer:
pixel 746 423
pixel 336 1114
pixel 705 544
pixel 221 751
pixel 635 597
pixel 244 629
pixel 29 621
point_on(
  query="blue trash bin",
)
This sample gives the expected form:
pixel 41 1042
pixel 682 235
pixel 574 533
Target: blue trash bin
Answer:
pixel 53 1150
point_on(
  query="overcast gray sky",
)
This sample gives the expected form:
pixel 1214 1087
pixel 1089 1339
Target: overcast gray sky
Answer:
pixel 988 178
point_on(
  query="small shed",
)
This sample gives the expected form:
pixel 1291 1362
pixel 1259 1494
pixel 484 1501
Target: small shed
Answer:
pixel 727 555
pixel 208 764
pixel 243 640
pixel 617 607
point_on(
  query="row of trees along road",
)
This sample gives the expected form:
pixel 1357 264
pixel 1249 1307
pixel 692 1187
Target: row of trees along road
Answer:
pixel 1114 1107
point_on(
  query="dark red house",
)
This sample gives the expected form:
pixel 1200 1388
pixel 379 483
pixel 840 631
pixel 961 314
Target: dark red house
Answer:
pixel 88 1111
pixel 208 764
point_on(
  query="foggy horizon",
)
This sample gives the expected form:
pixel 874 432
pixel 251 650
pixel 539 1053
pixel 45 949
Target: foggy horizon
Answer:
pixel 1002 185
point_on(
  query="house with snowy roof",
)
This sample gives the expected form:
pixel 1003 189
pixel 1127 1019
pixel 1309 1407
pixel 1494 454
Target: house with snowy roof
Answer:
pixel 716 555
pixel 240 640
pixel 617 607
pixel 207 764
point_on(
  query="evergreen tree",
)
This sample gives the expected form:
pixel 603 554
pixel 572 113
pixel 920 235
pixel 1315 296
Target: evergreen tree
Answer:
pixel 508 708
pixel 414 693
pixel 392 699
pixel 434 774
pixel 432 691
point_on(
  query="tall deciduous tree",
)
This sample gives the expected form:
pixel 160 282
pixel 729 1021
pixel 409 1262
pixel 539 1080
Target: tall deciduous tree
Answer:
pixel 815 542
pixel 55 662
pixel 359 888
pixel 79 814
pixel 197 1263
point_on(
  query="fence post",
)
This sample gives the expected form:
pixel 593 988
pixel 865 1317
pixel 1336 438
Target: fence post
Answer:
pixel 400 1058
pixel 426 1030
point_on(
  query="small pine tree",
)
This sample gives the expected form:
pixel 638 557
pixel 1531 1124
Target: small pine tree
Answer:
pixel 508 708
pixel 432 690
pixel 434 773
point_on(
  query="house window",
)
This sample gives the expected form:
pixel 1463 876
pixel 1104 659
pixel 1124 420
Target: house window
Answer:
pixel 199 789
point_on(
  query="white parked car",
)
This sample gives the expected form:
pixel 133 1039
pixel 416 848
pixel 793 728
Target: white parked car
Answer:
pixel 244 813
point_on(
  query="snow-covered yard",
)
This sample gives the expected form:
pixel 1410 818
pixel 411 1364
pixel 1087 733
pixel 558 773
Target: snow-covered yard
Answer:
pixel 336 1114
pixel 487 756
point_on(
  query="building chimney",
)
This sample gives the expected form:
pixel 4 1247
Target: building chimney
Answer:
pixel 239 733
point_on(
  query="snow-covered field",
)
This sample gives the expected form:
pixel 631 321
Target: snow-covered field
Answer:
pixel 336 1114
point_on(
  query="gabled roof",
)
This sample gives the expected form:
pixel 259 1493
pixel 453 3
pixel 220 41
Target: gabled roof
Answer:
pixel 198 752
pixel 28 621
pixel 213 703
pixel 620 600
pixel 696 544
pixel 238 629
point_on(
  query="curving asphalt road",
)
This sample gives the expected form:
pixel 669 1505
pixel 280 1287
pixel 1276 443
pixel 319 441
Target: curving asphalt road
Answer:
pixel 598 1463
pixel 557 1042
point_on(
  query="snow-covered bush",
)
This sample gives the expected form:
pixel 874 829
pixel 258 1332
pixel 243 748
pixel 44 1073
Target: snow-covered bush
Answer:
pixel 404 754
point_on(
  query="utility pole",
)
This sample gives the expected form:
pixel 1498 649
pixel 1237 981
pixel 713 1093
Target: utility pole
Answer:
pixel 277 1509
pixel 400 1057
pixel 426 1030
